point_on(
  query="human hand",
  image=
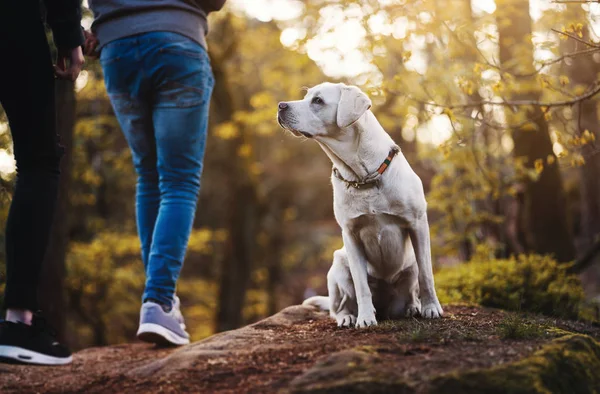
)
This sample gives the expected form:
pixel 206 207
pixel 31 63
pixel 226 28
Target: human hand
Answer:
pixel 69 63
pixel 90 45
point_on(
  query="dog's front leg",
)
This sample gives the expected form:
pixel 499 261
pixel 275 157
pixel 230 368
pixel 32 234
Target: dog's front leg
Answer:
pixel 358 269
pixel 419 236
pixel 342 295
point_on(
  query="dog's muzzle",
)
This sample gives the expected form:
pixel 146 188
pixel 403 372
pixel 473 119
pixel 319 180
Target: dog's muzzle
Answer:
pixel 284 118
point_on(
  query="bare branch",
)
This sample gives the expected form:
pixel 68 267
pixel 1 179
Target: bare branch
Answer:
pixel 576 38
pixel 594 49
pixel 560 59
pixel 594 89
pixel 574 1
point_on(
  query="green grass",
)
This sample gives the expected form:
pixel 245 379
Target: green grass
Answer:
pixel 515 327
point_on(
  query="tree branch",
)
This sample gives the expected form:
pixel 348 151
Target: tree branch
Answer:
pixel 594 89
pixel 574 1
pixel 559 59
pixel 576 38
pixel 595 48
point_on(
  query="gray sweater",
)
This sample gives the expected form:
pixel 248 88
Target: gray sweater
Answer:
pixel 114 19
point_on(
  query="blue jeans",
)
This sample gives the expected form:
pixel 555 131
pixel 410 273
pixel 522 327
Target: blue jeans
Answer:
pixel 160 85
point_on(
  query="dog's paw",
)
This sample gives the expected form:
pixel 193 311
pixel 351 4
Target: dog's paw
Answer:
pixel 412 310
pixel 346 321
pixel 432 310
pixel 366 320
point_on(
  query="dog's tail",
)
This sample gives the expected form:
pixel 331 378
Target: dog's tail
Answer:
pixel 320 302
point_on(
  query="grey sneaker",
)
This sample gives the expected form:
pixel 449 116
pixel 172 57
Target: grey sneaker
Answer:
pixel 176 310
pixel 160 327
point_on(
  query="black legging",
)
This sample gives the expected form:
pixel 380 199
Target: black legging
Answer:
pixel 27 95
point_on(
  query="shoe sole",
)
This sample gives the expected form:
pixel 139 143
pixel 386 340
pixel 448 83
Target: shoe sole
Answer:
pixel 154 333
pixel 25 356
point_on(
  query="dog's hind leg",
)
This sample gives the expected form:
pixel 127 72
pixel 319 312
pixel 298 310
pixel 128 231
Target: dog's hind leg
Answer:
pixel 341 290
pixel 405 302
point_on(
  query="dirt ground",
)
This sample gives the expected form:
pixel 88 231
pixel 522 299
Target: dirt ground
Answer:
pixel 275 354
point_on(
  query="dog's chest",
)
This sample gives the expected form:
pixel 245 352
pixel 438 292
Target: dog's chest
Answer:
pixel 351 203
pixel 386 244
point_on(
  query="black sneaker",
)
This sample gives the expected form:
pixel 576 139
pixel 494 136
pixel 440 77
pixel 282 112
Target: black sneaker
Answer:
pixel 35 344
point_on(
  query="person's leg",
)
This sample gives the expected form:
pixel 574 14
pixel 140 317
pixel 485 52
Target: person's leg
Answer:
pixel 27 95
pixel 127 81
pixel 183 85
pixel 121 62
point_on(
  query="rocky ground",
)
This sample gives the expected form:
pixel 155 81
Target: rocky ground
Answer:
pixel 470 350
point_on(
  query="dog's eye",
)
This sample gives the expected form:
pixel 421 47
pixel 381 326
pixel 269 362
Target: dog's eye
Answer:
pixel 317 100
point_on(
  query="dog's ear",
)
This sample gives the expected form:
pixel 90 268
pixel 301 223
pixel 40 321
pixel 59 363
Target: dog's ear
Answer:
pixel 353 104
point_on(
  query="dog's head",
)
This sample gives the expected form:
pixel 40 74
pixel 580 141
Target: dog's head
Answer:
pixel 326 111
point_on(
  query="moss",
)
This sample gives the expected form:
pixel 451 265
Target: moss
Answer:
pixel 349 371
pixel 590 311
pixel 567 365
pixel 411 330
pixel 530 283
pixel 514 327
pixel 558 332
pixel 362 385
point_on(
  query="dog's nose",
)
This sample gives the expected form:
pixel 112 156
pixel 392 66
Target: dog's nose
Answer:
pixel 282 106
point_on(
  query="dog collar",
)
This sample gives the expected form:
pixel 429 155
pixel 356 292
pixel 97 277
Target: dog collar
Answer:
pixel 370 180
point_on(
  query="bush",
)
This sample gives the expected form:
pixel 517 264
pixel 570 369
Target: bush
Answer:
pixel 531 283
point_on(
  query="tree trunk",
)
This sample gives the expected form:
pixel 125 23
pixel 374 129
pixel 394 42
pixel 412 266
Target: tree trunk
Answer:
pixel 51 292
pixel 237 265
pixel 243 218
pixel 583 70
pixel 545 207
pixel 275 223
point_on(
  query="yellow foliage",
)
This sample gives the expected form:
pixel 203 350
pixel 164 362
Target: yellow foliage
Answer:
pixel 245 150
pixel 577 160
pixel 201 240
pixel 498 87
pixel 576 28
pixel 564 80
pixel 539 166
pixel 226 131
pixel 459 191
pixel 466 86
pixel 448 112
pixel 263 100
pixel 256 305
pixel 587 137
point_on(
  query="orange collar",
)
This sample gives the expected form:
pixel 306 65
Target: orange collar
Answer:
pixel 371 179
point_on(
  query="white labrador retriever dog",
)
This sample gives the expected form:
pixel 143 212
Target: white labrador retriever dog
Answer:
pixel 379 204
